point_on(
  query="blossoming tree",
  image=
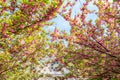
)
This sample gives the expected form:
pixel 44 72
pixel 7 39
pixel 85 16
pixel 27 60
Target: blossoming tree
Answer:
pixel 93 49
pixel 22 40
pixel 93 46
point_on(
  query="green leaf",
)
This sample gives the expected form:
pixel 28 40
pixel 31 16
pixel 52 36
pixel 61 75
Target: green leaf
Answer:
pixel 118 21
pixel 70 64
pixel 114 79
pixel 96 79
pixel 114 0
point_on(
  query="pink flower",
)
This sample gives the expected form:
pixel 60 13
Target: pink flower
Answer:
pixel 53 38
pixel 109 20
pixel 39 79
pixel 5 36
pixel 83 17
pixel 106 0
pixel 4 27
pixel 21 20
pixel 102 22
pixel 4 0
pixel 22 42
pixel 56 31
pixel 21 26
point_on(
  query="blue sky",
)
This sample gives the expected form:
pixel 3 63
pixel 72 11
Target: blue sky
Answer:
pixel 64 25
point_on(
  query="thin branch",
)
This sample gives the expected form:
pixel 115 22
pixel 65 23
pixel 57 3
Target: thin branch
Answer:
pixel 88 45
pixel 107 51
